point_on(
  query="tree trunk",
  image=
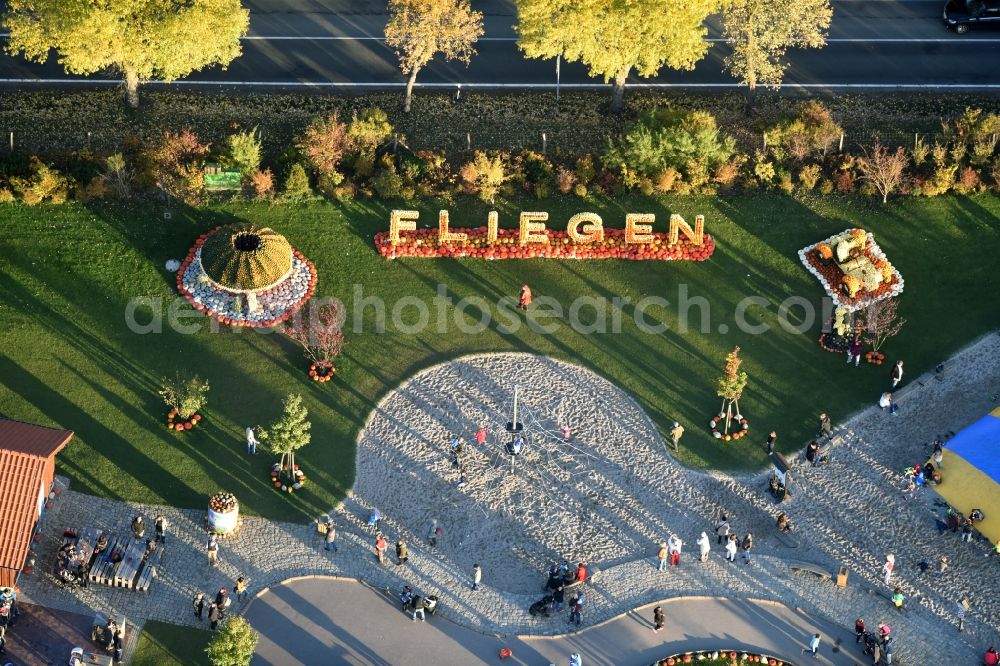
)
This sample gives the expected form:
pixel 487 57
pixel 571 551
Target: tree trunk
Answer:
pixel 409 90
pixel 132 88
pixel 618 92
pixel 885 197
pixel 751 97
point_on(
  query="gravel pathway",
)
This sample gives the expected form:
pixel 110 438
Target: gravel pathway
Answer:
pixel 608 498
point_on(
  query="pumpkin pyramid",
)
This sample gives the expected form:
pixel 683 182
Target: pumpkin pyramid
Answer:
pixel 244 275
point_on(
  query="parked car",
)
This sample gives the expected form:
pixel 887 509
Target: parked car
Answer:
pixel 960 15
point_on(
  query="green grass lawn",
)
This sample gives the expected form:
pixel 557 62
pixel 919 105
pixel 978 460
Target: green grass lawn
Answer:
pixel 67 357
pixel 163 644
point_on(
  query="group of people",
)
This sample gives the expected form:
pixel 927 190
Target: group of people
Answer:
pixel 8 614
pixel 111 636
pixel 878 644
pixel 562 577
pixel 733 543
pixel 218 607
pixel 415 604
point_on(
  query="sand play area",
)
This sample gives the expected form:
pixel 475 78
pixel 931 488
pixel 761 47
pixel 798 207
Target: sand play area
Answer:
pixel 580 500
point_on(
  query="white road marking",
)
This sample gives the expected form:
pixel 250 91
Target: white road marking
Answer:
pixel 536 86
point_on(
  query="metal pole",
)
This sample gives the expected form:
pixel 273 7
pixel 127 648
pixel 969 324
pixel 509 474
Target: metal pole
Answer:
pixel 514 420
pixel 11 142
pixel 468 141
pixel 558 60
pixel 543 143
pixel 841 149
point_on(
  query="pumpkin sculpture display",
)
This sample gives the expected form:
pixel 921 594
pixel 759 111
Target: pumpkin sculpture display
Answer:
pixel 243 275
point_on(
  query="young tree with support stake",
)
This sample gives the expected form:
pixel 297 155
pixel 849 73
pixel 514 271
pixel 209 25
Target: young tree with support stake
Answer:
pixel 234 643
pixel 139 40
pixel 420 29
pixel 730 388
pixel 616 37
pixel 289 434
pixel 760 31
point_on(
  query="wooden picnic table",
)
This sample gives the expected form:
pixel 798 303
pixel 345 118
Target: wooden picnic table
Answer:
pixel 128 568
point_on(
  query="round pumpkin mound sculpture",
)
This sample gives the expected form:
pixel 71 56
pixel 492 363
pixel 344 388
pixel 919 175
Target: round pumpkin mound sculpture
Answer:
pixel 243 275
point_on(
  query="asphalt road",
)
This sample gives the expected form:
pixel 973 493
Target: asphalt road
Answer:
pixel 334 43
pixel 318 620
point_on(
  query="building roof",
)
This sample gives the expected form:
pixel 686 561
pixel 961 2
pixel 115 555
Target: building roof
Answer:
pixel 30 439
pixel 24 451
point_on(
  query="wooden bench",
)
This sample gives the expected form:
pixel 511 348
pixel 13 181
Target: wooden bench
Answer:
pixel 809 567
pixel 148 572
pixel 128 568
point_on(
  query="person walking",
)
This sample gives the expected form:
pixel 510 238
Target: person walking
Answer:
pixel 657 619
pixel 160 524
pixel 559 596
pixel 942 565
pixel 432 533
pixel 967 530
pixel 251 441
pixel 825 426
pixel 481 435
pixel 575 659
pixel 675 436
pixel 771 439
pixel 747 545
pixel 576 608
pixel 704 545
pixel 897 374
pixel 883 631
pixel 402 554
pixel 213 616
pixel 199 605
pixel 938 454
pixel 661 556
pixel 138 527
pixel 119 644
pixel 240 589
pixel 960 615
pixel 854 353
pixel 731 548
pixel 887 650
pixel 887 567
pixel 897 599
pixel 813 645
pixel 331 537
pixel 525 300
pixel 380 548
pixel 722 529
pixel 374 519
pixel 674 544
pixel 418 607
pixel 477 576
pixel 859 630
pixel 213 550
pixel 876 654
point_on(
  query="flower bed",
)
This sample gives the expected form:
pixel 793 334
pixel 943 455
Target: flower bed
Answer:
pixel 277 472
pixel 176 422
pixel 424 243
pixel 744 427
pixel 817 259
pixel 720 658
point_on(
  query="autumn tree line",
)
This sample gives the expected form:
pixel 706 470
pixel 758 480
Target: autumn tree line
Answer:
pixel 613 38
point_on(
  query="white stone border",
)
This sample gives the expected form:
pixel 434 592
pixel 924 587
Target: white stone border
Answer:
pixel 834 294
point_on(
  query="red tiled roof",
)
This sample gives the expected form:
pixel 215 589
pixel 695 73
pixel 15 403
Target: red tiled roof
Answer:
pixel 24 452
pixel 33 440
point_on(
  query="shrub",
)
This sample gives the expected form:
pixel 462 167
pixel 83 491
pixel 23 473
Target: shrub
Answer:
pixel 983 149
pixel 118 175
pixel 809 175
pixel 297 183
pixel 920 151
pixel 668 138
pixel 483 175
pixel 43 183
pixel 785 181
pixel 826 186
pixel 697 173
pixel 328 182
pixel 995 173
pixel 565 180
pixel 813 130
pixel 581 190
pixel 185 393
pixel 585 169
pixel 665 180
pixel 845 182
pixel 344 192
pixel 6 195
pixel 324 143
pixel 363 164
pixel 968 180
pixel 537 172
pixel 244 151
pixel 939 153
pixel 177 169
pixel 388 184
pixel 941 180
pixel 727 172
pixel 95 188
pixel 763 169
pixel 369 129
pixel 262 183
